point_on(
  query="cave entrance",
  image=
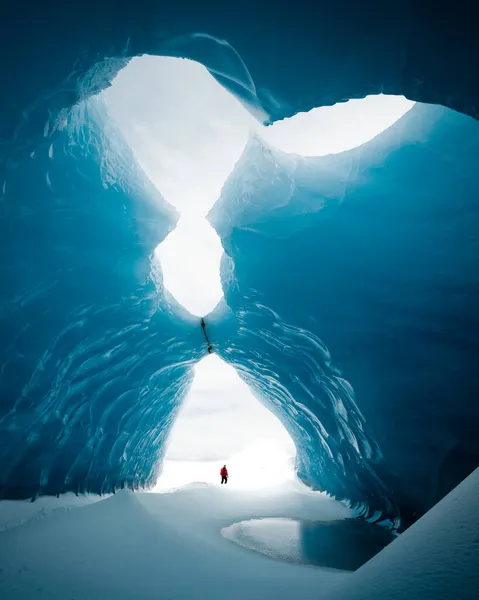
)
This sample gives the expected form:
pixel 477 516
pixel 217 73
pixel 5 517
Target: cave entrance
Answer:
pixel 187 133
pixel 221 422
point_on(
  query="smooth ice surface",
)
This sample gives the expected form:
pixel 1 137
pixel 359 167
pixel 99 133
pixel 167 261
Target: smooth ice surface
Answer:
pixel 338 544
pixel 350 306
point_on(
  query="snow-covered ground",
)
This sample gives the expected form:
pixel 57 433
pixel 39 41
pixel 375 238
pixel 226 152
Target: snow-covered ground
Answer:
pixel 169 546
pixel 18 512
pixel 166 546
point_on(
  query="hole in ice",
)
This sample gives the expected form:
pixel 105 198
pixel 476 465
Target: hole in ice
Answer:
pixel 346 545
pixel 221 423
pixel 334 129
pixel 187 133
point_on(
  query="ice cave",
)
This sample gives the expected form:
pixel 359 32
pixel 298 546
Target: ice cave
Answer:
pixel 348 304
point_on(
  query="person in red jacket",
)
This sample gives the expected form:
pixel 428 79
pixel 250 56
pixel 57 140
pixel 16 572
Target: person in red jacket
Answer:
pixel 224 474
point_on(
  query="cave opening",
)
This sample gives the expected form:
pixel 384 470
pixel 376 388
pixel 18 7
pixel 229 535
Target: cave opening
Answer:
pixel 96 359
pixel 187 133
pixel 221 422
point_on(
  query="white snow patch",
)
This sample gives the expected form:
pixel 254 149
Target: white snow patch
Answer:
pixel 17 512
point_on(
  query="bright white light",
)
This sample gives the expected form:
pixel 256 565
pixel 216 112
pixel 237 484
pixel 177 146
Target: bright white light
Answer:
pixel 190 258
pixel 334 129
pixel 222 423
pixel 187 132
pixel 261 464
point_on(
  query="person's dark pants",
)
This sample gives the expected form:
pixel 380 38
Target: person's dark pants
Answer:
pixel 224 479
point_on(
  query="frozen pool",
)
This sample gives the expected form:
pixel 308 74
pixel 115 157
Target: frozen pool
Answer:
pixel 340 544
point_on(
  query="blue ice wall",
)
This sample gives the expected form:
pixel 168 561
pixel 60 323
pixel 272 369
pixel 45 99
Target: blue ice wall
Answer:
pixel 353 288
pixel 95 357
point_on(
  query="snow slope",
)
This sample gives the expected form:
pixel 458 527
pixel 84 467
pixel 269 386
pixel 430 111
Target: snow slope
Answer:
pixel 435 559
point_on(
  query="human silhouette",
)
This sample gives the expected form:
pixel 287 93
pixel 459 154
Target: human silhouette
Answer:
pixel 224 474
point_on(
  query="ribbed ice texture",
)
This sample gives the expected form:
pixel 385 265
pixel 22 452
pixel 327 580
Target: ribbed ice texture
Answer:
pixel 95 357
pixel 353 287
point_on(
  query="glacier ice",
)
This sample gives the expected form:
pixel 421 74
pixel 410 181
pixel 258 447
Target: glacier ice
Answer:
pixel 414 48
pixel 350 281
pixel 350 306
pixel 95 356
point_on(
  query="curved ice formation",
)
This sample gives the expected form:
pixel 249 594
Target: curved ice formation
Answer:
pixel 373 372
pixel 283 60
pixel 352 289
pixel 95 357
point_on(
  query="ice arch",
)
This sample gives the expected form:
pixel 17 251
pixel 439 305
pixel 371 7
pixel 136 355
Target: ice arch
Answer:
pixel 351 290
pixel 96 357
pixel 188 150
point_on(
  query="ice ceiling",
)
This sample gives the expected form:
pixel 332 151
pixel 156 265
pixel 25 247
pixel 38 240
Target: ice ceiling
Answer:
pixel 350 281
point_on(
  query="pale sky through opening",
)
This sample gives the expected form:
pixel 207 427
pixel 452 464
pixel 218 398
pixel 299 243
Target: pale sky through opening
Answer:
pixel 221 422
pixel 187 133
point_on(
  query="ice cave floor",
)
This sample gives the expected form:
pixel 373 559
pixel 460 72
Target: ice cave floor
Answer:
pixel 169 546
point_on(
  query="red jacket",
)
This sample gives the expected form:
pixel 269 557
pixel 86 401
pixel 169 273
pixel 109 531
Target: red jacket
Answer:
pixel 224 472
